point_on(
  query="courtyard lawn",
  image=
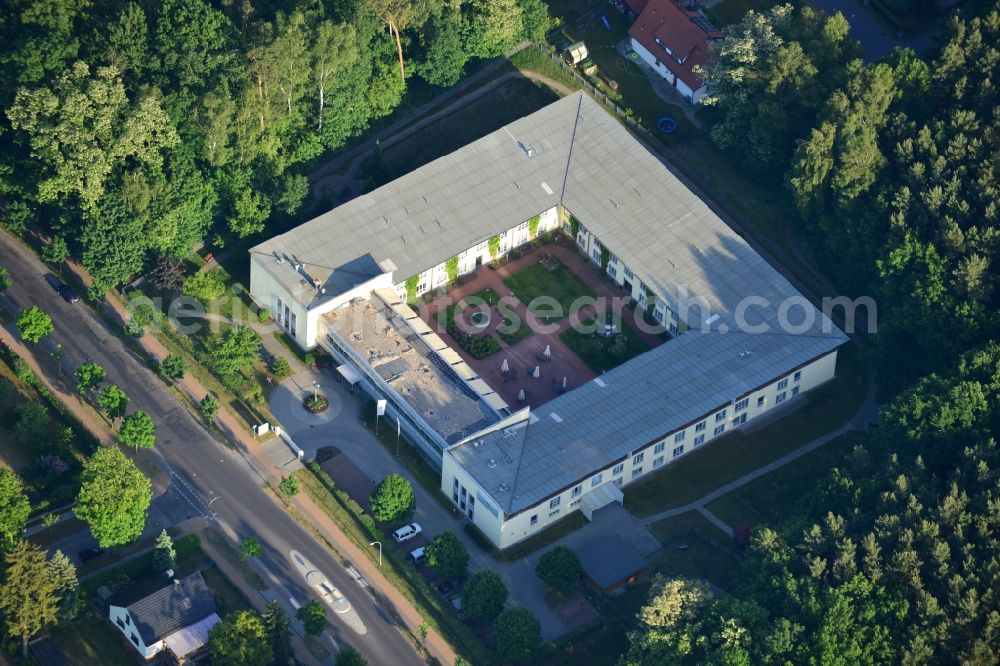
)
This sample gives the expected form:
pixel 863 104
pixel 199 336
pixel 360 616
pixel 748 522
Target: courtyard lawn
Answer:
pixel 536 281
pixel 718 463
pixel 766 501
pixel 598 352
pixel 486 295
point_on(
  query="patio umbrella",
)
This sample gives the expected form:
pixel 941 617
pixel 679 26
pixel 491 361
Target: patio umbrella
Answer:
pixel 537 373
pixel 520 395
pixel 564 382
pixel 548 351
pixel 505 367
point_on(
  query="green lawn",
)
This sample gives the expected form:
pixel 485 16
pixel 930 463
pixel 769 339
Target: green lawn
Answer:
pixel 508 102
pixel 598 352
pixel 92 640
pixel 768 500
pixel 486 295
pixel 536 281
pixel 602 644
pixel 228 597
pixel 695 548
pixel 718 463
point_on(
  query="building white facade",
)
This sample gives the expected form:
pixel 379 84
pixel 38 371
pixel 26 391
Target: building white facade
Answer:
pixel 121 618
pixel 567 168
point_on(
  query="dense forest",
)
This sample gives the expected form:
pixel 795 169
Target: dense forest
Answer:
pixel 894 168
pixel 134 130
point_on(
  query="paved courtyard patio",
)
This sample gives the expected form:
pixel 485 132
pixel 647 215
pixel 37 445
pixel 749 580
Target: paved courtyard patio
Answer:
pixel 522 355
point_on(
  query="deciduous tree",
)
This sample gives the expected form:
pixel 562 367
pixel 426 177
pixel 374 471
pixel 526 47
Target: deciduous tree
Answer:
pixel 313 617
pixel 392 499
pixel 240 640
pixel 33 324
pixel 113 401
pixel 517 633
pixel 88 376
pixel 447 554
pixel 483 595
pixel 14 509
pixel 113 499
pixel 138 431
pixel 559 568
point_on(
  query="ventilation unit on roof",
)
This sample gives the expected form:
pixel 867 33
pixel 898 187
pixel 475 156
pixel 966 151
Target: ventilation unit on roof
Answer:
pixel 492 463
pixel 477 444
pixel 745 354
pixel 278 258
pixel 509 432
pixel 503 488
pixel 297 266
pixel 317 283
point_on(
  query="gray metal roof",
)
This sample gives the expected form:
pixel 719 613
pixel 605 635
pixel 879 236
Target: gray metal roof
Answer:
pixel 591 427
pixel 174 607
pixel 657 227
pixel 610 560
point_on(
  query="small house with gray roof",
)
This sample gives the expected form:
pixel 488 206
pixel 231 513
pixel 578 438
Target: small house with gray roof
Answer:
pixel 744 340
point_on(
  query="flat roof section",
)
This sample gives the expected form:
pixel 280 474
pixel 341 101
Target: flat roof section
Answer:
pixel 414 371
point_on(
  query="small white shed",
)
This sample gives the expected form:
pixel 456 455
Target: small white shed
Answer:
pixel 577 52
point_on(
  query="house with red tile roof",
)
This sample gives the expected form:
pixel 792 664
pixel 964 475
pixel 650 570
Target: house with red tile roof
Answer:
pixel 673 40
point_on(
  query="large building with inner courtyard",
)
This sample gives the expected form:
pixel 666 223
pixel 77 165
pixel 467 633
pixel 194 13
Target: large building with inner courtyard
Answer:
pixel 724 337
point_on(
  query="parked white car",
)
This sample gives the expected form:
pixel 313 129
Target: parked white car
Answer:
pixel 406 532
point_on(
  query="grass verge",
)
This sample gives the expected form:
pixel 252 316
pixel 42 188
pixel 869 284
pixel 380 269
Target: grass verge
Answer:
pixel 703 470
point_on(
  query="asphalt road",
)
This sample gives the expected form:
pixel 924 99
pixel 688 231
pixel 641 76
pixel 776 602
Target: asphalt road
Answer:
pixel 207 471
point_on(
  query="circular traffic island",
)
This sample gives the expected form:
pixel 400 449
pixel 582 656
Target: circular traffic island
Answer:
pixel 316 404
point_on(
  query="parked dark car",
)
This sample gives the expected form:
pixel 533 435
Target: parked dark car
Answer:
pixel 446 587
pixel 88 554
pixel 67 293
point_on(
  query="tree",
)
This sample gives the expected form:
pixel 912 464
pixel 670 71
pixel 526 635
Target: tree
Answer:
pixel 392 499
pixel 138 431
pixel 14 509
pixel 28 596
pixel 517 633
pixel 313 617
pixel 113 499
pixel 333 50
pixel 535 18
pixel 280 367
pixel 289 486
pixel 164 555
pixel 172 367
pixel 5 280
pixel 559 568
pixel 33 424
pixel 445 56
pixel 495 27
pixel 55 251
pixel 113 401
pixel 447 554
pixel 279 632
pixel 33 324
pixel 89 375
pixel 167 274
pixel 348 656
pixel 240 640
pixel 250 547
pixel 233 350
pixel 63 572
pixel 209 406
pixel 206 286
pixel 400 15
pixel 483 595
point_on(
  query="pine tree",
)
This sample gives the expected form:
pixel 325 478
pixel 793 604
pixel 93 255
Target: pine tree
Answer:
pixel 28 596
pixel 63 572
pixel 164 555
pixel 279 632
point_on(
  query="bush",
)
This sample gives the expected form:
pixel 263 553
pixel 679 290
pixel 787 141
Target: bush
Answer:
pixel 559 568
pixel 448 555
pixel 280 367
pixel 313 617
pixel 172 367
pixel 392 499
pixel 484 595
pixel 517 634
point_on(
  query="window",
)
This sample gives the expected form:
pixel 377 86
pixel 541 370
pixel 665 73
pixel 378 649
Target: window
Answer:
pixel 673 328
pixel 780 398
pixel 454 491
pixel 658 315
pixel 742 404
pixel 534 519
pixel 120 623
pixel 618 469
pixel 678 450
pixel 629 274
pixel 659 447
pixel 699 439
pixel 657 462
pixel 618 482
pixel 577 491
pixel 679 437
pixel 637 458
pixel 719 429
pixel 597 253
pixel 721 416
pixel 581 240
pixel 740 420
pixel 555 501
pixel 783 384
pixel 471 513
pixel 700 427
pixel 636 472
pixel 135 639
pixel 128 619
pixel 612 271
pixel 552 514
pixel 761 401
pixel 797 377
pixel 613 259
pixel 596 481
pixel 795 391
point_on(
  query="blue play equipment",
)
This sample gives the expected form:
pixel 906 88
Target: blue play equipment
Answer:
pixel 604 20
pixel 666 124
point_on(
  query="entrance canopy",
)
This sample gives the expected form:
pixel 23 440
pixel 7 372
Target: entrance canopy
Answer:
pixel 600 496
pixel 349 373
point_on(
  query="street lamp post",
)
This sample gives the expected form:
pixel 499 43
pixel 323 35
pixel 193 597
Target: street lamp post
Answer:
pixel 379 544
pixel 315 390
